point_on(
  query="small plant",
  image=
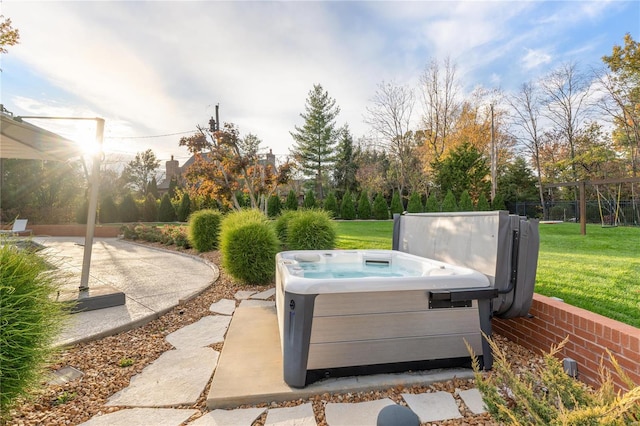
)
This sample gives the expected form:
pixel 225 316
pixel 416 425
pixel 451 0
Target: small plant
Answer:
pixel 125 362
pixel 551 397
pixel 248 244
pixel 204 229
pixel 30 319
pixel 415 203
pixel 380 208
pixel 311 230
pixel 64 397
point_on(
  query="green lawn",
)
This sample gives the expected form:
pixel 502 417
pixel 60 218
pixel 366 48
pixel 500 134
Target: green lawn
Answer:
pixel 599 271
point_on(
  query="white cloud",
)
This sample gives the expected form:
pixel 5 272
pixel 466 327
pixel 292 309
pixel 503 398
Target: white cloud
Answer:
pixel 534 58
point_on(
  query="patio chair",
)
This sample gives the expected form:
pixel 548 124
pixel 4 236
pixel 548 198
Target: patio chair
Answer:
pixel 19 227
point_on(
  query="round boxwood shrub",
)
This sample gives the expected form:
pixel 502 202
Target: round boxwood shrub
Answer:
pixel 248 244
pixel 204 229
pixel 30 319
pixel 311 230
pixel 282 225
pixel 380 209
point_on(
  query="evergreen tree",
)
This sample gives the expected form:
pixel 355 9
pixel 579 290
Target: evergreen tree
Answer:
pixel 463 168
pixel 380 208
pixel 152 188
pixel 184 209
pixel 415 203
pixel 465 205
pixel 309 200
pixel 173 185
pixel 396 204
pixel 314 149
pixel 432 205
pixel 347 208
pixel 166 212
pixel 108 211
pixel 128 209
pixel 364 206
pixel 150 209
pixel 483 204
pixel 82 212
pixel 292 201
pixel 274 206
pixel 344 172
pixel 449 203
pixel 331 204
pixel 498 203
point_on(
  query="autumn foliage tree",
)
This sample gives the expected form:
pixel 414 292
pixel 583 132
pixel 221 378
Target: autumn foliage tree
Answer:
pixel 225 163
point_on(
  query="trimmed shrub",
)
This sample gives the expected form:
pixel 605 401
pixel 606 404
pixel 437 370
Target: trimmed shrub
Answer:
pixel 129 209
pixel 311 230
pixel 483 203
pixel 184 209
pixel 309 200
pixel 364 206
pixel 347 208
pixel 108 211
pixel 415 203
pixel 331 204
pixel 150 209
pixel 281 226
pixel 292 201
pixel 396 204
pixel 248 244
pixel 465 205
pixel 166 212
pixel 432 205
pixel 274 206
pixel 380 209
pixel 204 229
pixel 30 319
pixel 449 203
pixel 498 203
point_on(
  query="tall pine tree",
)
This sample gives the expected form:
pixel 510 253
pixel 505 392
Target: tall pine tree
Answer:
pixel 314 149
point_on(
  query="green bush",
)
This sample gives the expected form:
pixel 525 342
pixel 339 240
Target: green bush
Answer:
pixel 150 209
pixel 465 205
pixel 483 203
pixel 347 208
pixel 309 200
pixel 432 205
pixel 498 203
pixel 108 211
pixel 551 397
pixel 248 244
pixel 274 206
pixel 129 210
pixel 282 225
pixel 82 212
pixel 331 204
pixel 30 321
pixel 166 212
pixel 449 203
pixel 380 209
pixel 292 201
pixel 415 203
pixel 364 206
pixel 311 230
pixel 396 204
pixel 204 229
pixel 184 209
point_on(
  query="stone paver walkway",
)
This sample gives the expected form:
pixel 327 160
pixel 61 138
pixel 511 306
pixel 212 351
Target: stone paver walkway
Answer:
pixel 179 376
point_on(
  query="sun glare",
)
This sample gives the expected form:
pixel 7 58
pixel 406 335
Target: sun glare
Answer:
pixel 84 136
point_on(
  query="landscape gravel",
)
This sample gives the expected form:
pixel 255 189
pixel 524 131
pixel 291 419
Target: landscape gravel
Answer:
pixel 109 364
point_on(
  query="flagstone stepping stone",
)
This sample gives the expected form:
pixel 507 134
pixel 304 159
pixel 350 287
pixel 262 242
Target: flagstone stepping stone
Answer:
pixel 64 375
pixel 264 295
pixel 239 417
pixel 361 413
pixel 258 303
pixel 473 400
pixel 223 307
pixel 204 332
pixel 433 407
pixel 302 415
pixel 177 377
pixel 142 416
pixel 244 294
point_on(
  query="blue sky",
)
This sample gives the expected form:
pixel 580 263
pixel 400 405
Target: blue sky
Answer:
pixel 159 67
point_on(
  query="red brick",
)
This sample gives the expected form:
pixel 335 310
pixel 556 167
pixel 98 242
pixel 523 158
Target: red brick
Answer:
pixel 615 336
pixel 633 355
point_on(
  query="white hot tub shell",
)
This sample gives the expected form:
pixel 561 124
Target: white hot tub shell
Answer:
pixel 370 307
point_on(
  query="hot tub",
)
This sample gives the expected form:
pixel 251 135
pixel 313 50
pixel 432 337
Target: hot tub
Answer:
pixel 371 307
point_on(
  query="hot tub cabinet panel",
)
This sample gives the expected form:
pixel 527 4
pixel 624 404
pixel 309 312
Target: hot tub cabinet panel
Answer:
pixel 334 327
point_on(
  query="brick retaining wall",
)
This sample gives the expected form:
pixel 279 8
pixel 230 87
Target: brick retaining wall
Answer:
pixel 589 335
